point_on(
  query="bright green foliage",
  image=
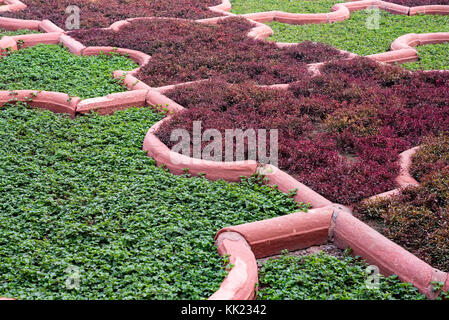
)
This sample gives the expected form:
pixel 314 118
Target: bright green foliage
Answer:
pixel 353 34
pixel 325 277
pixel 431 57
pixel 293 6
pixel 16 32
pixel 54 68
pixel 83 193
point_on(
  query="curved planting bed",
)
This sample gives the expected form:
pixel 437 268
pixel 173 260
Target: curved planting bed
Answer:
pixel 432 56
pixel 54 68
pixel 82 193
pixel 184 51
pixel 418 217
pixel 250 6
pixel 95 14
pixel 325 277
pixel 331 137
pixel 16 32
pixel 347 34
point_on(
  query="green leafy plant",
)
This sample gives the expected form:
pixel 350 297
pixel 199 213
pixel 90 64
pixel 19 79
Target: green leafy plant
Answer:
pixel 431 57
pixel 83 193
pixel 54 68
pixel 354 36
pixel 325 277
pixel 297 6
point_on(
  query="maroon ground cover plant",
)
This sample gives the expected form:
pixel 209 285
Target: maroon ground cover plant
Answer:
pixel 96 13
pixel 339 133
pixel 416 3
pixel 185 51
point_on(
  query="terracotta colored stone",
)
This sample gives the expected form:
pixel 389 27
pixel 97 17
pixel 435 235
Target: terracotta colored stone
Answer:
pixel 131 82
pixel 118 24
pixel 432 38
pixel 53 101
pixel 74 46
pixel 405 161
pixel 15 24
pixel 48 26
pixel 399 56
pixel 30 40
pixel 385 254
pixel 430 9
pixel 7 44
pixel 286 183
pixel 299 18
pixel 155 98
pixel 292 232
pixel 240 284
pixel 261 16
pixel 405 42
pixel 12 5
pixel 176 163
pixel 113 102
pixel 393 7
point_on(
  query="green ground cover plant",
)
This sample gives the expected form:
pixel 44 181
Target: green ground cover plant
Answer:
pixel 325 277
pixel 82 194
pixel 354 36
pixel 16 32
pixel 299 6
pixel 54 68
pixel 431 57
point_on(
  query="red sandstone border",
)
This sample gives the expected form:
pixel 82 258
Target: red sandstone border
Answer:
pixel 304 229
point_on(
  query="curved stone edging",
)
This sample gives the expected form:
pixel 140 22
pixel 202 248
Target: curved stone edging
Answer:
pixel 12 5
pixel 342 11
pixel 404 179
pixel 389 257
pixel 240 284
pixel 304 229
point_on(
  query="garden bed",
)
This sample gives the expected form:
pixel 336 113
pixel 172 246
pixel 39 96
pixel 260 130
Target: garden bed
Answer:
pixel 331 137
pixel 307 6
pixel 418 218
pixel 353 35
pixel 431 57
pixel 94 14
pixel 54 68
pixel 82 193
pixel 325 277
pixel 16 32
pixel 185 51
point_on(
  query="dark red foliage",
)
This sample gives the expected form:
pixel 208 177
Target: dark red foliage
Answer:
pixel 340 133
pixel 184 51
pixel 101 14
pixel 417 219
pixel 416 3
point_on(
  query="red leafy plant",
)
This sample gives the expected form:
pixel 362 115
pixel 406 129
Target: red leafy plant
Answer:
pixel 97 14
pixel 185 51
pixel 340 133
